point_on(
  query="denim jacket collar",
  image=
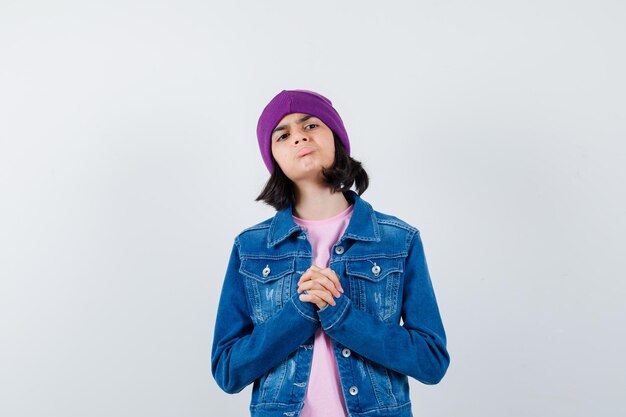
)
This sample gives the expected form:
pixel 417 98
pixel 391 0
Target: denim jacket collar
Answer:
pixel 363 224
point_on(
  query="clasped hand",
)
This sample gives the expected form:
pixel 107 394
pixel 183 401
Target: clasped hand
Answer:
pixel 321 285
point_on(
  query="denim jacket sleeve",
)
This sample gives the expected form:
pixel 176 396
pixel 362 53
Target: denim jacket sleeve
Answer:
pixel 243 351
pixel 418 347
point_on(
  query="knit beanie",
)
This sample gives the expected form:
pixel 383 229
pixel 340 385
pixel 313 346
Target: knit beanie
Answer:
pixel 297 101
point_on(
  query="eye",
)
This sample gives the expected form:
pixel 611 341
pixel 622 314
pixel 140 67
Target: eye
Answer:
pixel 280 137
pixel 312 124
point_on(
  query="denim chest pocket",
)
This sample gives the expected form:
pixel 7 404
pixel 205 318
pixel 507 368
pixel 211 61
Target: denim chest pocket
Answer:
pixel 374 284
pixel 267 284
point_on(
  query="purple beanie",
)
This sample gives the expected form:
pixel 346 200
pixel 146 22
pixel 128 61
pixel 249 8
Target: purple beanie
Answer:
pixel 297 101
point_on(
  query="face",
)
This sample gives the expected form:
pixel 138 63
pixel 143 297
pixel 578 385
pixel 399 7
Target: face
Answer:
pixel 302 144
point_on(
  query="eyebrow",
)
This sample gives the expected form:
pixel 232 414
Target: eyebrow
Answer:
pixel 300 120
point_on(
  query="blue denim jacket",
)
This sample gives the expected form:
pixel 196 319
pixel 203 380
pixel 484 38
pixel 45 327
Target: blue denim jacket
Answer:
pixel 264 334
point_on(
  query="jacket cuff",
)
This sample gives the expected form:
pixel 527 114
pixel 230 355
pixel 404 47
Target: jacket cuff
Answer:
pixel 304 308
pixel 331 315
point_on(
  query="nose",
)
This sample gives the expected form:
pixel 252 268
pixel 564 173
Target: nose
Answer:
pixel 304 139
pixel 301 135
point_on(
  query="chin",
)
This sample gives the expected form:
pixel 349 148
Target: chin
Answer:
pixel 304 173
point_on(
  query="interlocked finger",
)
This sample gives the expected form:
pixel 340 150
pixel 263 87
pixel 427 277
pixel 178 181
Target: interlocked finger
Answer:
pixel 318 278
pixel 315 296
pixel 319 283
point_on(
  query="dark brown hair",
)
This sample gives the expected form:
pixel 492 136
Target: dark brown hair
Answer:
pixel 340 176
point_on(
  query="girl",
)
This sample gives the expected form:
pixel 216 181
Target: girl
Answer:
pixel 312 299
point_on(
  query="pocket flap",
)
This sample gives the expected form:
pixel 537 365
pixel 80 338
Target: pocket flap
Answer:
pixel 265 270
pixel 373 269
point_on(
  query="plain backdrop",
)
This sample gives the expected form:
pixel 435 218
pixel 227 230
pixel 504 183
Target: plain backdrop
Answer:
pixel 129 162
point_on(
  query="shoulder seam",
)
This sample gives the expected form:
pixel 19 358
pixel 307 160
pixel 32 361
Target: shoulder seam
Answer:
pixel 410 237
pixel 255 227
pixel 399 223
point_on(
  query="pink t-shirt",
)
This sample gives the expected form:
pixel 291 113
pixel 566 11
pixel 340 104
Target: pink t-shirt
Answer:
pixel 323 397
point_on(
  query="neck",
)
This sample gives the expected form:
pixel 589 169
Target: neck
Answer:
pixel 318 203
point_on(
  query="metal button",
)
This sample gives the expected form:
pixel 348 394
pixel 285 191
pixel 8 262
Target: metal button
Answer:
pixel 339 250
pixel 354 390
pixel 345 352
pixel 376 269
pixel 266 271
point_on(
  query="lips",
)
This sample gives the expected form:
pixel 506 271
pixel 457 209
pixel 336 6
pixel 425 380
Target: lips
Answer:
pixel 304 151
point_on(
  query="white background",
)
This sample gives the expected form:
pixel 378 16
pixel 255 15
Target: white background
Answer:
pixel 129 161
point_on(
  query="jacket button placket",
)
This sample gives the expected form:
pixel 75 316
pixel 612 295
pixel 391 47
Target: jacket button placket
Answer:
pixel 344 366
pixel 305 355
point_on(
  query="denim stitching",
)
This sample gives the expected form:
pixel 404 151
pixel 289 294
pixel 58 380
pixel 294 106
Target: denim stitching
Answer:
pixel 400 224
pixel 281 380
pixel 262 225
pixel 365 257
pixel 257 306
pixel 389 387
pixel 272 257
pixel 302 313
pixel 377 410
pixel 372 380
pixel 340 315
